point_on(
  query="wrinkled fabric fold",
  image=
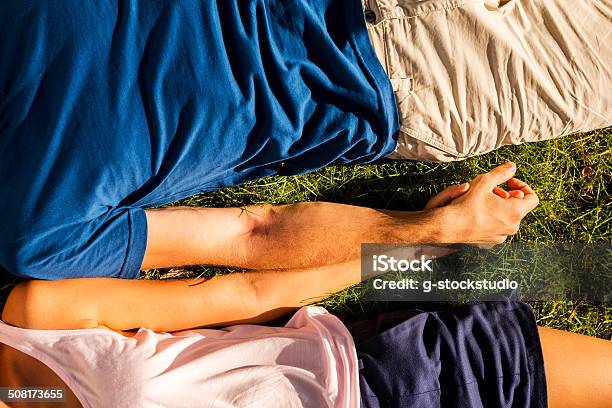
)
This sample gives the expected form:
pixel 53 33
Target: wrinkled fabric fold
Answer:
pixel 479 355
pixel 471 76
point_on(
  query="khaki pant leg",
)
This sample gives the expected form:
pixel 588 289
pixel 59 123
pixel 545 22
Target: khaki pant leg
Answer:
pixel 473 75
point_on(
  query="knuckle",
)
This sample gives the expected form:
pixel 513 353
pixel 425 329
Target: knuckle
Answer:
pixel 480 178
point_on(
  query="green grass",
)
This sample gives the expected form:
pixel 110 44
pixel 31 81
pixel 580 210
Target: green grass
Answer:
pixel 572 176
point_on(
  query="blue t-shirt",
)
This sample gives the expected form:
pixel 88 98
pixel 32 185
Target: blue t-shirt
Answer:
pixel 108 107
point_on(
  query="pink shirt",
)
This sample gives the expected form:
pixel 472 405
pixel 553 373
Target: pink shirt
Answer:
pixel 311 362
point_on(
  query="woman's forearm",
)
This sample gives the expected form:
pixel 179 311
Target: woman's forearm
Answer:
pixel 172 305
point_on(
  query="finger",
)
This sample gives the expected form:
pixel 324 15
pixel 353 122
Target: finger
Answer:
pixel 528 190
pixel 495 177
pixel 519 185
pixel 528 202
pixel 516 194
pixel 501 192
pixel 515 184
pixel 447 195
pixel 456 190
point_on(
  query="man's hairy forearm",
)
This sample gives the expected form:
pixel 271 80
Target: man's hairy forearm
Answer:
pixel 288 236
pixel 311 234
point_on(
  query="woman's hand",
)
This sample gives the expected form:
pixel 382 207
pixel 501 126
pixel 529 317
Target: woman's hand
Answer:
pixel 447 195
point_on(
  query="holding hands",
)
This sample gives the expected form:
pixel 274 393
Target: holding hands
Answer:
pixel 482 212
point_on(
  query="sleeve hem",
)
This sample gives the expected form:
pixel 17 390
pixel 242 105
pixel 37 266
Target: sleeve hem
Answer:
pixel 137 244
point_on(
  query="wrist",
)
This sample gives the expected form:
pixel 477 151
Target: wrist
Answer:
pixel 417 227
pixel 443 225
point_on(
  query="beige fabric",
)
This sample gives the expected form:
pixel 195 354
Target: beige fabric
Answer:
pixel 473 75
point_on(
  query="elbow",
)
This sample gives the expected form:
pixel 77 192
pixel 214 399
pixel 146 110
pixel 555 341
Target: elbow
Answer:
pixel 42 305
pixel 250 296
pixel 258 301
pixel 21 304
pixel 258 221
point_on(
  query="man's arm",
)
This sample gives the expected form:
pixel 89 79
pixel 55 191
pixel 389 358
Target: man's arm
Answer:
pixel 320 233
pixel 270 237
pixel 172 305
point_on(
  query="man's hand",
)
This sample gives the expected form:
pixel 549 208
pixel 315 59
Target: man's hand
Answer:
pixel 483 212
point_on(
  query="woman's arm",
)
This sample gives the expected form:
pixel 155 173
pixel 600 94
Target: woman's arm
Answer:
pixel 172 305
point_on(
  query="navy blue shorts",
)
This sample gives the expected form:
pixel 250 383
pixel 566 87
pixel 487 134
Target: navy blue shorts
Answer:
pixel 479 355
